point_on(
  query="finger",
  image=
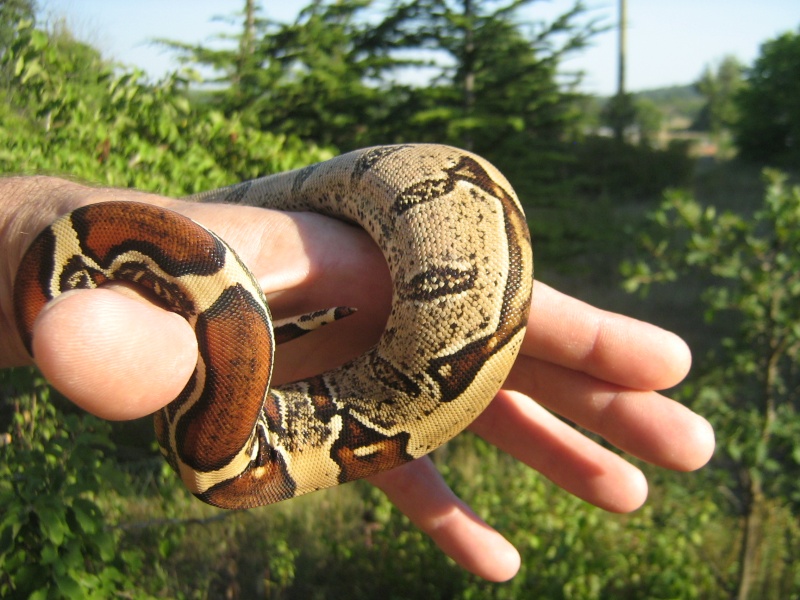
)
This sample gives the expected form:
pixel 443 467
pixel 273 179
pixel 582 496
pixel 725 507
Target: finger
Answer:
pixel 645 424
pixel 609 346
pixel 525 430
pixel 419 491
pixel 115 355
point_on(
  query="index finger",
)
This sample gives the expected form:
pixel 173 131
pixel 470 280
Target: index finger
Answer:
pixel 618 349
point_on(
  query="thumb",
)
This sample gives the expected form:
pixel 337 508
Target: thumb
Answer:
pixel 114 353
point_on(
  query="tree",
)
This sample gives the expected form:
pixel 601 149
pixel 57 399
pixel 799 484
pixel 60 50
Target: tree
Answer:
pixel 312 78
pixel 649 120
pixel 749 386
pixel 239 73
pixel 335 77
pixel 329 88
pixel 768 128
pixel 494 77
pixel 719 88
pixel 619 113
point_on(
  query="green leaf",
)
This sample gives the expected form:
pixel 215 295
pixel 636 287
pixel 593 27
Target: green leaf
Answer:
pixel 106 544
pixel 69 587
pixel 7 536
pixel 32 69
pixel 52 520
pixel 40 593
pixel 31 577
pixel 182 104
pixel 39 39
pixel 87 514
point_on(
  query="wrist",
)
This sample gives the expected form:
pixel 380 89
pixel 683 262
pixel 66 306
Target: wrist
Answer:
pixel 28 205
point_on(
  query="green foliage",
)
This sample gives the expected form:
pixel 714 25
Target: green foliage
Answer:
pixel 619 114
pixel 677 101
pixel 116 130
pixel 606 167
pixel 768 128
pixel 496 77
pixel 350 542
pixel 324 87
pixel 570 550
pixel 67 112
pixel 339 74
pixel 649 120
pixel 632 117
pixel 54 541
pixel 719 88
pixel 749 386
pixel 11 13
pixel 314 78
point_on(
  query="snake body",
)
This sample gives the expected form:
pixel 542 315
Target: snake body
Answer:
pixel 457 246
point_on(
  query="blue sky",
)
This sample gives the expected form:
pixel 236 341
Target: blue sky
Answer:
pixel 669 41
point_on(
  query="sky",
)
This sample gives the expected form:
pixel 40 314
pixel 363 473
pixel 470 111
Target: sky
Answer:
pixel 670 42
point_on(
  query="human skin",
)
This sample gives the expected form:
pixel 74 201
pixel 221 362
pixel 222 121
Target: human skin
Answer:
pixel 597 369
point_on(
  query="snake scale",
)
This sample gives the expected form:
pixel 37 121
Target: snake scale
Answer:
pixel 457 246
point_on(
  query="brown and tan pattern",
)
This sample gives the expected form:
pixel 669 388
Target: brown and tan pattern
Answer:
pixel 457 246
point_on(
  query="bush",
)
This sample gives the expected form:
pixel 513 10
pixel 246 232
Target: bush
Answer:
pixel 606 167
pixel 768 128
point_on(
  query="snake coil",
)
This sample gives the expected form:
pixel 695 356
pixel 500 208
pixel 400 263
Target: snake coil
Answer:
pixel 457 245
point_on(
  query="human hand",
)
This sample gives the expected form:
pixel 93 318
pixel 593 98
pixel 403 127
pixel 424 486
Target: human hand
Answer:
pixel 594 368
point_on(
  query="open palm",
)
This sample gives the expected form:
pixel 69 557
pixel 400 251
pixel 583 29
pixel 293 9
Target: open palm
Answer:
pixel 594 368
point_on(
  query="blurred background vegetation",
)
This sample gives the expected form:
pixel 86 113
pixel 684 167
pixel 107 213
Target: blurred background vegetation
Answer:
pixel 663 192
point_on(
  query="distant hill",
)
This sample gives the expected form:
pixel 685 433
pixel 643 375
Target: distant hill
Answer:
pixel 680 104
pixel 678 101
pixel 672 94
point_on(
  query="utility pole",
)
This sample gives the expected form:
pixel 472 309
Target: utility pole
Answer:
pixel 621 111
pixel 623 46
pixel 469 67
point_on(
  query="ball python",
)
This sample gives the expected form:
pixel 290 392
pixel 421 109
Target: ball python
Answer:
pixel 456 242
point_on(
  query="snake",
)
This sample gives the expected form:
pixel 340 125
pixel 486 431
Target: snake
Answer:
pixel 457 246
